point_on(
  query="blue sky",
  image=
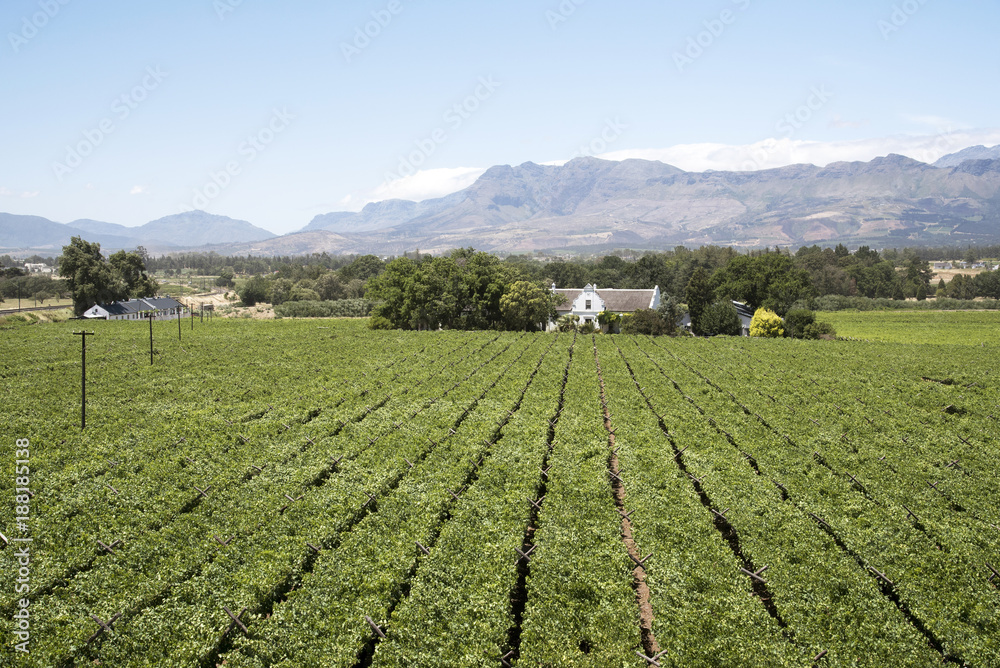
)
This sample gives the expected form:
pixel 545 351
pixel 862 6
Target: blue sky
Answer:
pixel 276 112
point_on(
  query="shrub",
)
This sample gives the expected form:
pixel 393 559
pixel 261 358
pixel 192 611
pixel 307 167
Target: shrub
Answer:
pixel 766 324
pixel 378 322
pixel 796 322
pixel 819 330
pixel 644 321
pixel 342 308
pixel 721 319
pixel 608 319
pixel 568 323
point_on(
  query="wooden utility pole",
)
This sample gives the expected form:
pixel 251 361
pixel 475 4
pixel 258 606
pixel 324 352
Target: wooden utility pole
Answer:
pixel 83 384
pixel 150 315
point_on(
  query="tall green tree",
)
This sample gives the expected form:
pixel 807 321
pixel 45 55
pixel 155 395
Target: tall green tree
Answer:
pixel 527 306
pixel 770 280
pixel 93 280
pixel 721 319
pixel 699 295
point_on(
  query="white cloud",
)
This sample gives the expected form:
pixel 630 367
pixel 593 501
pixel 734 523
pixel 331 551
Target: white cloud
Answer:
pixel 139 190
pixel 29 195
pixel 427 184
pixel 771 153
pixel 4 192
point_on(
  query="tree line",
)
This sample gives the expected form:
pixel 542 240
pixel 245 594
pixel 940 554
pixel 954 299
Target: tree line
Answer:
pixel 464 288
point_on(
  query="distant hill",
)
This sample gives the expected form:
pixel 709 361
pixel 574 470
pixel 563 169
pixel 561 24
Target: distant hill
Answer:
pixel 185 230
pixel 33 232
pixel 379 215
pixel 197 228
pixel 971 153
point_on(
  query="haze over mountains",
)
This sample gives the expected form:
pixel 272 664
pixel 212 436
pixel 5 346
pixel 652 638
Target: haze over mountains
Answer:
pixel 596 204
pixel 183 230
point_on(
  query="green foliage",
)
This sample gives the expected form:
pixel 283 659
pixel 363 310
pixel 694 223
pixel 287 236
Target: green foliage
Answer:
pixel 254 291
pixel 342 308
pixel 796 322
pixel 699 295
pixel 819 330
pixel 644 321
pixel 671 311
pixel 93 280
pixel 459 291
pixel 609 320
pixel 721 319
pixel 567 323
pixel 226 279
pixel 766 324
pixel 770 280
pixel 527 306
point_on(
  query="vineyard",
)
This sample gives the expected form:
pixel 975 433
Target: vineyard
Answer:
pixel 312 493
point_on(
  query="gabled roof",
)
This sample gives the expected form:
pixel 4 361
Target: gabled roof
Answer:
pixel 626 300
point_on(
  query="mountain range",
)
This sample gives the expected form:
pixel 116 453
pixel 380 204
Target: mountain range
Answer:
pixel 592 204
pixel 183 230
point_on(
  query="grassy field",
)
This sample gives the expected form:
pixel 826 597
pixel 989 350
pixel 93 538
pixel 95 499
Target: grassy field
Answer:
pixel 382 498
pixel 967 328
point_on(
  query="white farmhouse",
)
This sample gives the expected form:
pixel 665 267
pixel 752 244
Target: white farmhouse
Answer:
pixel 590 301
pixel 162 308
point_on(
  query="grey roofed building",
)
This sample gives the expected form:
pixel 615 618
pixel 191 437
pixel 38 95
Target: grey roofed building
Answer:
pixel 163 308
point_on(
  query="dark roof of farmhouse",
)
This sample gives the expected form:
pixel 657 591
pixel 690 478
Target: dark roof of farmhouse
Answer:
pixel 619 301
pixel 141 305
pixel 743 310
